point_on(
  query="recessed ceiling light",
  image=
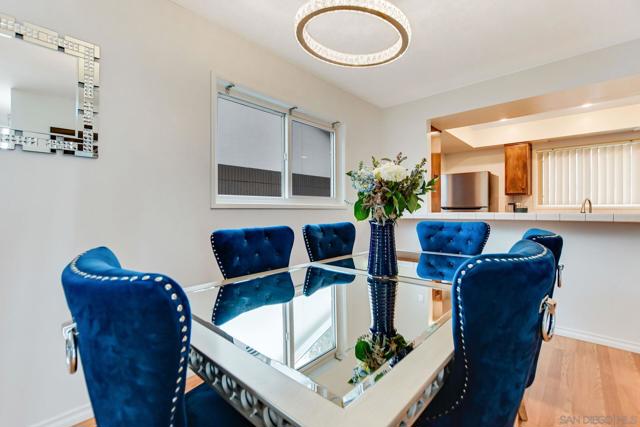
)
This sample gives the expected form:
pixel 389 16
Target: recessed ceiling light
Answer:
pixel 504 119
pixel 586 105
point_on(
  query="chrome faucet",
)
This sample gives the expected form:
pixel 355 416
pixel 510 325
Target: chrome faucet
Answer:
pixel 583 209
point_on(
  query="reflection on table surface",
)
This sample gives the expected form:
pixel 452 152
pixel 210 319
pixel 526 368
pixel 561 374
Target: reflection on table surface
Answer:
pixel 306 321
pixel 432 266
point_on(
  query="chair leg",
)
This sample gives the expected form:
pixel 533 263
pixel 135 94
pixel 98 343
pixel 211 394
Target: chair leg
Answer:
pixel 522 412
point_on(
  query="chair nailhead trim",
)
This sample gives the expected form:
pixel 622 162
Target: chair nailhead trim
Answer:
pixel 179 308
pixel 215 254
pixel 306 243
pixel 461 323
pixel 486 237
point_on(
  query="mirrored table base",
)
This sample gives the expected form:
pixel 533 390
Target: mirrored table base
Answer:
pixel 261 414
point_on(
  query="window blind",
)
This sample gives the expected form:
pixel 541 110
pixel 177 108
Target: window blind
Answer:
pixel 608 174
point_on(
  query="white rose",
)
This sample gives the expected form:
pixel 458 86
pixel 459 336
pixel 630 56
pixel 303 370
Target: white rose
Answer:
pixel 391 172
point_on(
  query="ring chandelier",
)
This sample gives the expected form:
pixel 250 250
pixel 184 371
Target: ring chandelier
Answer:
pixel 381 9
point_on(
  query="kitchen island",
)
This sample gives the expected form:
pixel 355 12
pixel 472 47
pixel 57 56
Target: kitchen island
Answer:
pixel 599 299
pixel 529 216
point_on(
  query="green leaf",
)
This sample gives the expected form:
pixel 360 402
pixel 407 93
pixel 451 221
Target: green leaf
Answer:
pixel 362 350
pixel 412 203
pixel 388 208
pixel 359 211
pixel 402 203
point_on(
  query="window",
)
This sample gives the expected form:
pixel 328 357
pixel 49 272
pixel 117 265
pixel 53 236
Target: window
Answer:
pixel 312 160
pixel 608 174
pixel 249 149
pixel 269 154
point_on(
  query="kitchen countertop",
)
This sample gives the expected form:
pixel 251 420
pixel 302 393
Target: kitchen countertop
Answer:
pixel 531 216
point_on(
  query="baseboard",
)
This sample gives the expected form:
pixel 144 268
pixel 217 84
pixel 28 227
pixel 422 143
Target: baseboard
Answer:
pixel 599 339
pixel 68 419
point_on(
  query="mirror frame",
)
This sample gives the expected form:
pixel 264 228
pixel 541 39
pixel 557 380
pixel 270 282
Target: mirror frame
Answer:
pixel 84 140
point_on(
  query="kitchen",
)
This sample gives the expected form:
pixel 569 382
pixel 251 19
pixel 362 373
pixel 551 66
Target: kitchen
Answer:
pixel 568 162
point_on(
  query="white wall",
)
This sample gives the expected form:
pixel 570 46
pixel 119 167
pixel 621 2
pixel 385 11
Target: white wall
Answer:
pixel 148 195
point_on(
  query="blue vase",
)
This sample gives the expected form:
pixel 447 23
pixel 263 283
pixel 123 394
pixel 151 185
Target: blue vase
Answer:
pixel 383 261
pixel 382 302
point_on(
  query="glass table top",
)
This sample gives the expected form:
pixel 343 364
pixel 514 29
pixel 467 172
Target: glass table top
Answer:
pixel 326 324
pixel 432 266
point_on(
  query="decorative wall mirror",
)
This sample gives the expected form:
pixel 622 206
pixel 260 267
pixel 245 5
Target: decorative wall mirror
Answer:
pixel 48 91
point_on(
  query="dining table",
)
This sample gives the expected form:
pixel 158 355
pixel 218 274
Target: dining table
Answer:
pixel 282 346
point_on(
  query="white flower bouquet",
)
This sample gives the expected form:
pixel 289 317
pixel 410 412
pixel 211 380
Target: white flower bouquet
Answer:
pixel 387 189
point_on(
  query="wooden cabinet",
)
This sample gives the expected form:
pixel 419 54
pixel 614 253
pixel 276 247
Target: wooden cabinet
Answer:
pixel 517 169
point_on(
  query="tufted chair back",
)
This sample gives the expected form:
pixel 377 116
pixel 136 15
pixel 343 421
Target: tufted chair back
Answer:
pixel 251 250
pixel 495 330
pixel 466 238
pixel 438 267
pixel 319 278
pixel 324 241
pixel 549 239
pixel 133 337
pixel 237 298
pixel 554 243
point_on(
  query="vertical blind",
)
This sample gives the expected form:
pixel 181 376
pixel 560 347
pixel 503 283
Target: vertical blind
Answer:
pixel 608 174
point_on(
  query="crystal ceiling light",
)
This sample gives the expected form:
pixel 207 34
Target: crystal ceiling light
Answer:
pixel 379 8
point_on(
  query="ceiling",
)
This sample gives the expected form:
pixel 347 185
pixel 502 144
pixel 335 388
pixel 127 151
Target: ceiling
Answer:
pixel 616 117
pixel 455 42
pixel 602 108
pixel 599 95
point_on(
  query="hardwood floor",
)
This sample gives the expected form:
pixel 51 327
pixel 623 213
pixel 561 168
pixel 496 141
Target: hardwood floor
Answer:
pixel 576 382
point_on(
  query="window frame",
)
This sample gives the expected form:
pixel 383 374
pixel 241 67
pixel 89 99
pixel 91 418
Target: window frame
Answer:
pixel 226 90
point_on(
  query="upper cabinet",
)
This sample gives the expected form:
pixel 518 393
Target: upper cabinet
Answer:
pixel 517 169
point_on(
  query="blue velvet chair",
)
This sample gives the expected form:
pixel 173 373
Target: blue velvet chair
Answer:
pixel 554 243
pixel 496 324
pixel 464 238
pixel 551 241
pixel 324 241
pixel 319 278
pixel 251 250
pixel 237 298
pixel 438 267
pixel 133 332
